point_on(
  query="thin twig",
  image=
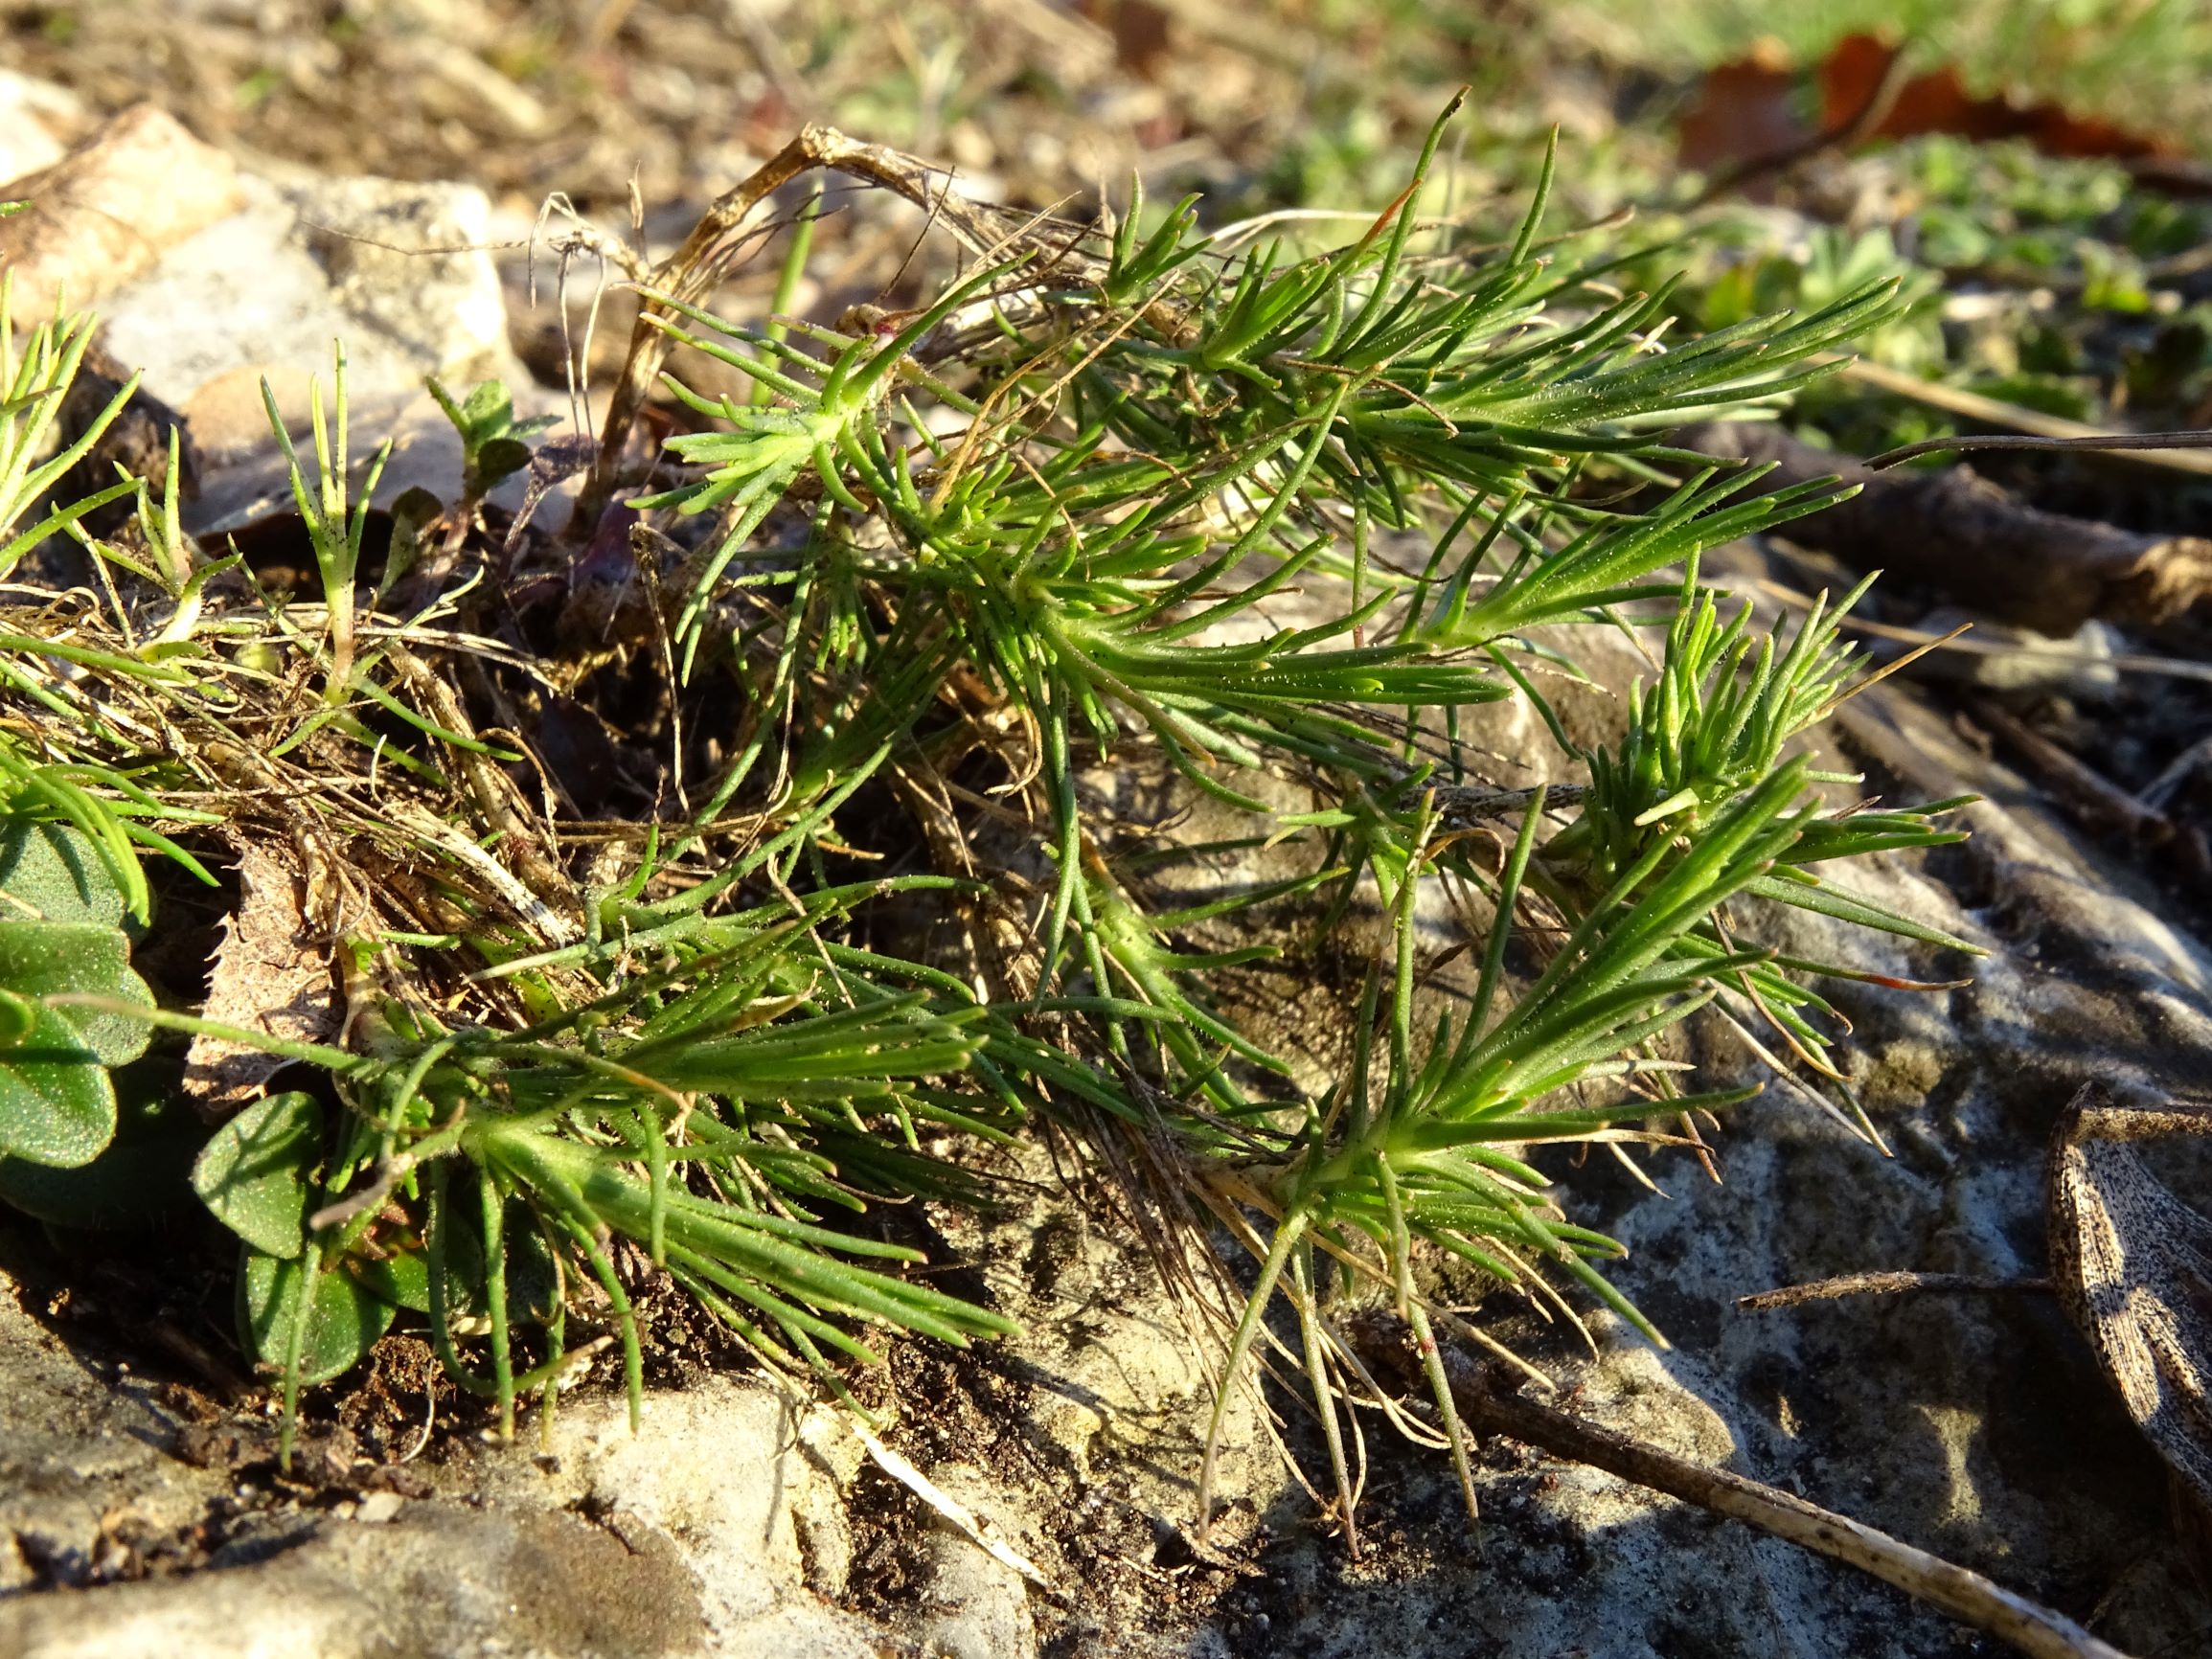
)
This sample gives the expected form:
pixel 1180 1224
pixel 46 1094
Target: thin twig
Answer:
pixel 1882 1284
pixel 389 1174
pixel 1966 1596
pixel 1982 544
pixel 2101 443
pixel 976 1530
pixel 2120 662
pixel 1460 801
pixel 2094 796
pixel 2160 792
pixel 1975 406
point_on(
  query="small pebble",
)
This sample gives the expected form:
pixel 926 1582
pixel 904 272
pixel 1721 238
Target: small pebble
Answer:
pixel 378 1507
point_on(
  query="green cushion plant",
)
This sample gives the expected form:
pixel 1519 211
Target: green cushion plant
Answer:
pixel 924 574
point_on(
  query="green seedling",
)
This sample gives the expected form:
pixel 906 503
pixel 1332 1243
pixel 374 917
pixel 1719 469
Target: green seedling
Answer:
pixel 494 445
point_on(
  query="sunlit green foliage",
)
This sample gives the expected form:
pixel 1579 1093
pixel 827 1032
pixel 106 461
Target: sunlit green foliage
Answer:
pixel 1048 518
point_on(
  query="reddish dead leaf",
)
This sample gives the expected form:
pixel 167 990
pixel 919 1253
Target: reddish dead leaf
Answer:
pixel 1746 114
pixel 1850 81
pixel 272 975
pixel 1140 31
pixel 1744 110
pixel 2133 1267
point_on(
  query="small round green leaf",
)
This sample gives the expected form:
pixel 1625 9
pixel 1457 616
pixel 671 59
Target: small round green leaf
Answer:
pixel 39 959
pixel 343 1323
pixel 52 873
pixel 56 1105
pixel 488 408
pixel 499 458
pixel 138 1182
pixel 254 1173
pixel 402 1278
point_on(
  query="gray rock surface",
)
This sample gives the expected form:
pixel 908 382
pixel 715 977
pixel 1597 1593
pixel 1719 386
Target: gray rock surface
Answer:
pixel 398 272
pixel 437 1579
pixel 83 1446
pixel 681 1539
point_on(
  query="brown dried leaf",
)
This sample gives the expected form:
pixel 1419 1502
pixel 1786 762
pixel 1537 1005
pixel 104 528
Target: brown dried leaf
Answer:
pixel 272 974
pixel 1852 77
pixel 2133 1266
pixel 1142 32
pixel 1744 110
pixel 1747 112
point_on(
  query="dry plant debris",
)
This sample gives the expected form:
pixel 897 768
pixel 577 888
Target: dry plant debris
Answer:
pixel 2133 1266
pixel 269 976
pixel 1952 531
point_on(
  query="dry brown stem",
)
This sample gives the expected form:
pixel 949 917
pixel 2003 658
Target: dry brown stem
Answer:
pixel 1964 1594
pixel 1957 531
pixel 721 241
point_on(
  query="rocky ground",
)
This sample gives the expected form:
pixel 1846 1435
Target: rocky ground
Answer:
pixel 141 1509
